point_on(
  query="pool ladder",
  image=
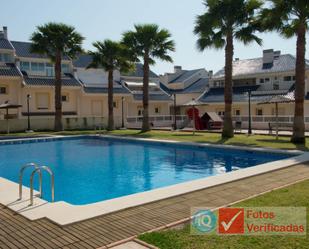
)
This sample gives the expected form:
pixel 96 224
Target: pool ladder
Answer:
pixel 36 169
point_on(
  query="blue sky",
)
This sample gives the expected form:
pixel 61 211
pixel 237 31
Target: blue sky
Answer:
pixel 101 19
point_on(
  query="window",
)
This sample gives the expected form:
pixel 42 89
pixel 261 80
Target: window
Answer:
pixel 42 101
pixel 37 67
pixel 139 111
pixel 259 112
pixel 65 98
pixel 49 68
pixel 237 112
pixel 65 68
pixel 262 81
pixel 267 80
pixel 276 86
pixel 115 104
pixel 157 109
pixel 288 78
pixel 5 57
pixel 220 113
pixel 3 90
pixel 25 65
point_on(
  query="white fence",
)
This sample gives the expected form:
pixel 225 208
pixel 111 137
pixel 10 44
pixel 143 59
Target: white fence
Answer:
pixel 156 121
pixel 257 122
pixel 47 123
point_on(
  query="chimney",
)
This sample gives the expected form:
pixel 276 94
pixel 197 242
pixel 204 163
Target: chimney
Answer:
pixel 268 56
pixel 177 69
pixel 210 73
pixel 277 54
pixel 5 32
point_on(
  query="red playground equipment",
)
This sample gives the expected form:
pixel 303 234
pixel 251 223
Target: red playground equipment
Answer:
pixel 193 113
pixel 210 120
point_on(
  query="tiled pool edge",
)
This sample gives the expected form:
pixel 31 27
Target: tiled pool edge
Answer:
pixel 64 213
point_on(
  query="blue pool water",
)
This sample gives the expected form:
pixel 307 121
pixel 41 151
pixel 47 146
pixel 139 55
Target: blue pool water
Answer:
pixel 90 169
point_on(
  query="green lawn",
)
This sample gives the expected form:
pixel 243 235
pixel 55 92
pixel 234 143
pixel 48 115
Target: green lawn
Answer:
pixel 200 137
pixel 295 195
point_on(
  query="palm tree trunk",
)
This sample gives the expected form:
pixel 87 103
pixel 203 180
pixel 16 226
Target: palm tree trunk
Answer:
pixel 146 126
pixel 299 124
pixel 58 100
pixel 228 130
pixel 110 126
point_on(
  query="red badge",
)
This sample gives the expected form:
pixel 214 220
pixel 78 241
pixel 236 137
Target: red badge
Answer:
pixel 231 221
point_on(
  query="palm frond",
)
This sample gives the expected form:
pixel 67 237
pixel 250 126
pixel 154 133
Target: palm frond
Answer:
pixel 247 36
pixel 227 16
pixel 53 37
pixel 110 55
pixel 148 40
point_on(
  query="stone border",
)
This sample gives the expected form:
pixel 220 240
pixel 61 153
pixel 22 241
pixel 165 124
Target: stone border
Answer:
pixel 64 213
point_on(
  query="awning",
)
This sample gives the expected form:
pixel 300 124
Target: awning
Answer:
pixel 287 98
pixel 9 106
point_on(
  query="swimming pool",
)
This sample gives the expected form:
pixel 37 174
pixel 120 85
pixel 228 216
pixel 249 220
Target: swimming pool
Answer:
pixel 93 169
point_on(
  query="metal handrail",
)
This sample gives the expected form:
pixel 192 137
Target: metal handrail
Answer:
pixel 21 172
pixel 52 182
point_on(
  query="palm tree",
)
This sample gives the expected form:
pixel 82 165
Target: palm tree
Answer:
pixel 148 42
pixel 224 21
pixel 290 18
pixel 57 40
pixel 110 56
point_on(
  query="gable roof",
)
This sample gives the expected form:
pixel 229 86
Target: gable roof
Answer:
pixel 82 60
pixel 216 95
pixel 240 94
pixel 198 86
pixel 67 80
pixel 283 63
pixel 116 90
pixel 5 44
pixel 9 69
pixel 138 72
pixel 23 50
pixel 185 74
pixel 153 96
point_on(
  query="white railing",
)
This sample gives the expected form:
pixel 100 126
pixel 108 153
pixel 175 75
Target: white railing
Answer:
pixel 157 118
pixel 268 118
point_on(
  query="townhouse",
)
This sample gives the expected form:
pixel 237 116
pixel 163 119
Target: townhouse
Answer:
pixel 29 77
pixel 272 74
pixel 185 85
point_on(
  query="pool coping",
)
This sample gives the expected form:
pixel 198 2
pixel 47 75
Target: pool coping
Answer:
pixel 64 213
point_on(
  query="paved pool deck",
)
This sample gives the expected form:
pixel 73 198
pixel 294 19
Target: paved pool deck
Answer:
pixel 105 231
